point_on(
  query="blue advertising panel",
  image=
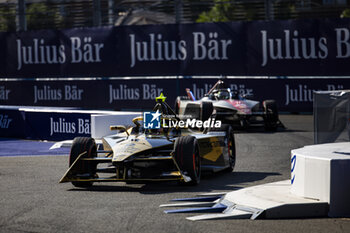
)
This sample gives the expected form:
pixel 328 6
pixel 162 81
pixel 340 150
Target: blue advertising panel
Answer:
pixel 273 48
pixel 57 126
pixel 292 95
pixel 90 52
pixel 12 123
pixel 299 47
pixel 34 54
pixel 188 49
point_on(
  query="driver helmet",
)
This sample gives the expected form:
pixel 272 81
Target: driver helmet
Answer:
pixel 224 94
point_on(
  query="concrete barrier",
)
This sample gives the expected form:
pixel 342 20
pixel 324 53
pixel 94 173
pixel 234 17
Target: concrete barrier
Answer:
pixel 322 172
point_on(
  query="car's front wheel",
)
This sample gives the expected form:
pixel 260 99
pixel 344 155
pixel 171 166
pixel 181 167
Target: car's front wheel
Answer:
pixel 206 110
pixel 230 144
pixel 231 148
pixel 271 115
pixel 186 154
pixel 178 102
pixel 86 169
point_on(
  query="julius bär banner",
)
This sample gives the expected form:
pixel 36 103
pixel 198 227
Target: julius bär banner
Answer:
pixel 291 95
pixel 274 48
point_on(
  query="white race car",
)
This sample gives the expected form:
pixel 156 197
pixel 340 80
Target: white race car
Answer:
pixel 230 107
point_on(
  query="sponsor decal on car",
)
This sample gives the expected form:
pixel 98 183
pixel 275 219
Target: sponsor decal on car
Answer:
pixel 240 105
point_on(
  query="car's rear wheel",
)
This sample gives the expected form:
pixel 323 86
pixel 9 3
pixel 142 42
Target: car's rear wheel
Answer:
pixel 271 115
pixel 87 169
pixel 186 154
pixel 230 144
pixel 231 148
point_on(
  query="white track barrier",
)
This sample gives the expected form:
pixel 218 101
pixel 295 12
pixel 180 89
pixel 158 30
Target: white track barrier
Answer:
pixel 322 172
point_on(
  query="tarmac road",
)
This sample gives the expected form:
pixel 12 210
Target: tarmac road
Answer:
pixel 31 199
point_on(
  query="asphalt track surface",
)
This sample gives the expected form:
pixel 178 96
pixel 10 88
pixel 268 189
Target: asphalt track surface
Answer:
pixel 32 200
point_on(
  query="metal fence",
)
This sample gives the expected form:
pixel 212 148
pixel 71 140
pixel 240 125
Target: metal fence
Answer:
pixel 50 14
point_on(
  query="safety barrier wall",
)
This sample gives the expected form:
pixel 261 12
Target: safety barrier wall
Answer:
pixel 291 47
pixel 57 124
pixel 292 95
pixel 44 124
pixel 12 123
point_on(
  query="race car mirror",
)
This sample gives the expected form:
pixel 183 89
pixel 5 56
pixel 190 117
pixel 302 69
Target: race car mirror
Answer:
pixel 119 127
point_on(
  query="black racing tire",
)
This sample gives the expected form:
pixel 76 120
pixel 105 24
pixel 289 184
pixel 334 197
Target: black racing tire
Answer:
pixel 80 145
pixel 186 154
pixel 230 144
pixel 270 115
pixel 177 103
pixel 206 110
pixel 231 148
